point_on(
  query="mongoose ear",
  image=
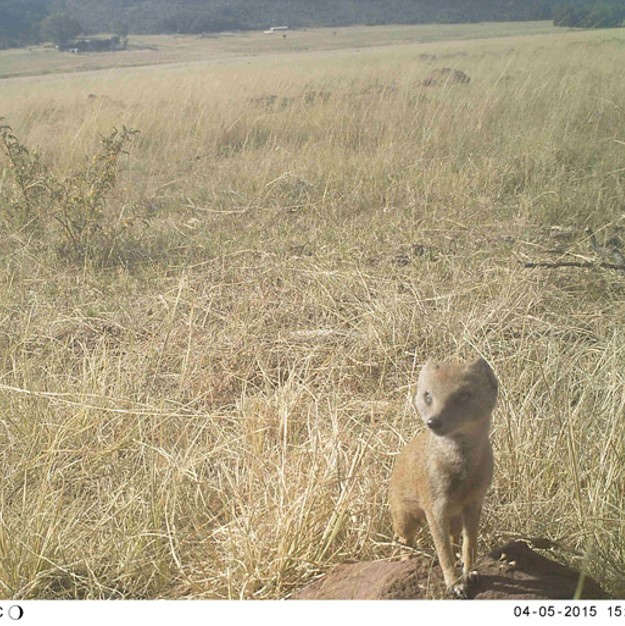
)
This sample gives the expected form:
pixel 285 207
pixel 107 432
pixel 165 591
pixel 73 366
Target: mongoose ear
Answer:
pixel 431 364
pixel 481 365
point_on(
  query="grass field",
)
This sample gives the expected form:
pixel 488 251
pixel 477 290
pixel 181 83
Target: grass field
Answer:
pixel 155 50
pixel 204 384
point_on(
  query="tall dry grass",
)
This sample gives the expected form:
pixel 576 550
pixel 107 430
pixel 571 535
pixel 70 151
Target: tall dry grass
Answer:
pixel 215 412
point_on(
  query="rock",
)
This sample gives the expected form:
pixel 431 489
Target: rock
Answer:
pixel 514 571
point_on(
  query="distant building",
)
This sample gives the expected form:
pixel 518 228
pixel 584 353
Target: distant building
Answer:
pixel 93 45
pixel 275 29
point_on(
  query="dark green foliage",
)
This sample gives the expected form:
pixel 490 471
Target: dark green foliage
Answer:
pixel 595 15
pixel 119 28
pixel 196 16
pixel 20 19
pixel 59 28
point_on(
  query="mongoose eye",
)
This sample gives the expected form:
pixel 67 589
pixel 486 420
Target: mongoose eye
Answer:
pixel 427 397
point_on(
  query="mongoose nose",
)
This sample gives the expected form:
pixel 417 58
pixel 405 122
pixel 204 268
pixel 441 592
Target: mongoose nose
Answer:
pixel 434 423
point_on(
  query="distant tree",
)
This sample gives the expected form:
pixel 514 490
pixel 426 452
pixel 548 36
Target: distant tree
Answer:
pixel 19 20
pixel 196 16
pixel 603 15
pixel 168 25
pixel 542 10
pixel 120 28
pixel 59 28
pixel 567 15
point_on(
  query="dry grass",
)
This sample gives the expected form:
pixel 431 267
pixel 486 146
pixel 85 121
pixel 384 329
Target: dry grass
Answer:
pixel 215 413
pixel 151 50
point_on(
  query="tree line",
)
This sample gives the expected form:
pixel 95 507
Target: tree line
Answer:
pixel 596 15
pixel 24 22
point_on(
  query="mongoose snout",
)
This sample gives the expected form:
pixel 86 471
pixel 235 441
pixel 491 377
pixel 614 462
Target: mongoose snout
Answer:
pixel 435 424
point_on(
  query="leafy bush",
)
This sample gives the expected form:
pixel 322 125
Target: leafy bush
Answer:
pixel 76 205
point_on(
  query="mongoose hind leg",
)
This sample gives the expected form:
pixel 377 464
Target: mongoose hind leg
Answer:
pixel 406 522
pixel 405 526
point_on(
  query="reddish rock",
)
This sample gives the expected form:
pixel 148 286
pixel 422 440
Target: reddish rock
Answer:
pixel 514 571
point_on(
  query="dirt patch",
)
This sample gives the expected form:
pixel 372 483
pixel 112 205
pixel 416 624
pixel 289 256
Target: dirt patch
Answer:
pixel 514 571
pixel 446 76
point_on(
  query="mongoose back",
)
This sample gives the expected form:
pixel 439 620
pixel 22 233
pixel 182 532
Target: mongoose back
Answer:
pixel 442 475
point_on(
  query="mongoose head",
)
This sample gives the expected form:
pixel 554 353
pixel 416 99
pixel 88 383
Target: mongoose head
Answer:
pixel 456 398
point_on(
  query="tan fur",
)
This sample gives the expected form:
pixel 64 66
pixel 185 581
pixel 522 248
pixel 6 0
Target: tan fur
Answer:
pixel 442 475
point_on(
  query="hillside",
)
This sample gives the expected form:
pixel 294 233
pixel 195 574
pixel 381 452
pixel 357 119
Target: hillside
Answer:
pixel 154 16
pixel 20 20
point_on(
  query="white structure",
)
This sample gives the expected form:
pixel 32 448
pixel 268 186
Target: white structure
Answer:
pixel 275 29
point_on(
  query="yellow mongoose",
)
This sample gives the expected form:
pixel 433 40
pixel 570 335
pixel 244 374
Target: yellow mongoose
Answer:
pixel 442 475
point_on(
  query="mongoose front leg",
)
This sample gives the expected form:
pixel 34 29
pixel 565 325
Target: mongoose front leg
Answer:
pixel 438 521
pixel 455 536
pixel 470 523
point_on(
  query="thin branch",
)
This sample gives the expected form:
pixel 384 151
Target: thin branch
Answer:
pixel 547 264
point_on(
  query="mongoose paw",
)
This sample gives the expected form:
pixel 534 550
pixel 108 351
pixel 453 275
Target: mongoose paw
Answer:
pixel 462 587
pixel 458 591
pixel 471 578
pixel 401 542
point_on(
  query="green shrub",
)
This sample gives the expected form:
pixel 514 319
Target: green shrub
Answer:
pixel 76 205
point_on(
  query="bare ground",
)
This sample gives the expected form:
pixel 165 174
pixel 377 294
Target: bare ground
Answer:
pixel 513 571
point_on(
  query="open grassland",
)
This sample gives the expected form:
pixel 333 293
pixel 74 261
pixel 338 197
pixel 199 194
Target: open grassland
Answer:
pixel 148 50
pixel 202 394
